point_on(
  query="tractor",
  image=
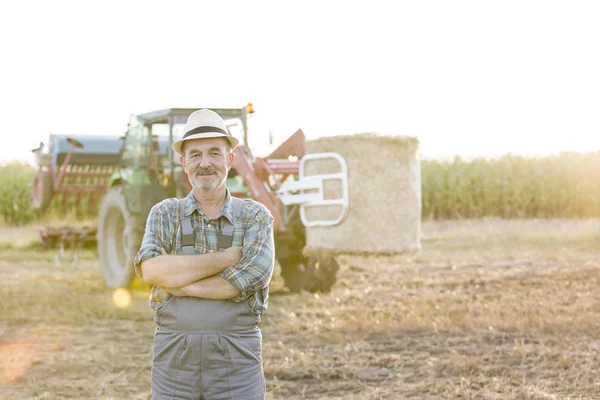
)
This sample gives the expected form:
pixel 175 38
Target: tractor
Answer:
pixel 141 170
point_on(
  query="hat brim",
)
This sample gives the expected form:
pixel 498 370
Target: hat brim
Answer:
pixel 179 144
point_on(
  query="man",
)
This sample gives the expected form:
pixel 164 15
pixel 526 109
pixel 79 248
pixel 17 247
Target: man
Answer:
pixel 210 258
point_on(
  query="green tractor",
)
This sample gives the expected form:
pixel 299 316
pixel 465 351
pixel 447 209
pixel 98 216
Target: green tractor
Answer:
pixel 149 171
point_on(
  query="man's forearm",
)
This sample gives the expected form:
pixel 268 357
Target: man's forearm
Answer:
pixel 181 270
pixel 208 288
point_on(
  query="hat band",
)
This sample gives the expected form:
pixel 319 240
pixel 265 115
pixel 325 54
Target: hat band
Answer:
pixel 205 129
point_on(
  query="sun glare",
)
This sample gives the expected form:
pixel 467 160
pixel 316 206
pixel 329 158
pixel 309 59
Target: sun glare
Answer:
pixel 121 298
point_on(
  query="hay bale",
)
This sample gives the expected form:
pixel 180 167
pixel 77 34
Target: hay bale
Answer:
pixel 384 190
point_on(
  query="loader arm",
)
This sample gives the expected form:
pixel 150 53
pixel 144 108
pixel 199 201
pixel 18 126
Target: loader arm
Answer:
pixel 260 192
pixel 293 146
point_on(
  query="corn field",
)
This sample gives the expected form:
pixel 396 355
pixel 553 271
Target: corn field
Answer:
pixel 563 186
pixel 15 194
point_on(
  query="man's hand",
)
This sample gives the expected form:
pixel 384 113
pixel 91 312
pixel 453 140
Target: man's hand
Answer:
pixel 178 292
pixel 231 256
pixel 207 288
pixel 180 270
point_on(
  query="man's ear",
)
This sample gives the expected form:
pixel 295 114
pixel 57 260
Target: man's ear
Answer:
pixel 231 158
pixel 182 162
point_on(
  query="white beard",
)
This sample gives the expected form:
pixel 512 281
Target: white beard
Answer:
pixel 208 185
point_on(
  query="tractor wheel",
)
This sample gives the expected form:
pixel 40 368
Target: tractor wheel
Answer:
pixel 41 190
pixel 314 274
pixel 119 238
pixel 296 275
pixel 323 271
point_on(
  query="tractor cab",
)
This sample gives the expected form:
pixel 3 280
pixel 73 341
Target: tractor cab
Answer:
pixel 151 170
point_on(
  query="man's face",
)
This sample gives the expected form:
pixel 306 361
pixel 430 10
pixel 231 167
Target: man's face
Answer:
pixel 207 162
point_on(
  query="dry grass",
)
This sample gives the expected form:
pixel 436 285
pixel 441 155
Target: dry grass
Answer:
pixel 489 309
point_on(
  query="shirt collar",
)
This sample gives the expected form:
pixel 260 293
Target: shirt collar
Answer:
pixel 191 205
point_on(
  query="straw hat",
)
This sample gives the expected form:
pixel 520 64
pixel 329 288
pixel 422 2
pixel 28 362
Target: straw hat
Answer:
pixel 204 124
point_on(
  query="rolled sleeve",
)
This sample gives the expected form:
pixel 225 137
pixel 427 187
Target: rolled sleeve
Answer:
pixel 158 229
pixel 254 270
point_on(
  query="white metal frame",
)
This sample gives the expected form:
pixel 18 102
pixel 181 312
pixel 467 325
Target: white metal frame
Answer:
pixel 294 192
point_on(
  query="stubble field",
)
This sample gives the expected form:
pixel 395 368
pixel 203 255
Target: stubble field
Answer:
pixel 490 309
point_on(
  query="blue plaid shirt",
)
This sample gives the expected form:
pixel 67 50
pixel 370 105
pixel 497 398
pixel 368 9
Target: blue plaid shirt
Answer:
pixel 253 231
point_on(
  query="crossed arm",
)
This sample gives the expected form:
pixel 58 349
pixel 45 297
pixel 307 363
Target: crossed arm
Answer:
pixel 193 275
pixel 234 274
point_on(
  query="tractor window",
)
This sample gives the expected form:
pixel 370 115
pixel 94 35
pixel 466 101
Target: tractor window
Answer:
pixel 234 124
pixel 162 130
pixel 136 144
pixel 178 131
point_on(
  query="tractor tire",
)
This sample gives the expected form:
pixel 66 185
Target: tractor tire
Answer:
pixel 313 274
pixel 296 276
pixel 288 250
pixel 41 189
pixel 316 273
pixel 119 236
pixel 323 272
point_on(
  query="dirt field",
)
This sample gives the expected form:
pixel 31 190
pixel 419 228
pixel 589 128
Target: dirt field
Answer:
pixel 489 310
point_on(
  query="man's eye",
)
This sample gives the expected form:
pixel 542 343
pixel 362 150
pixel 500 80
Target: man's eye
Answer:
pixel 214 153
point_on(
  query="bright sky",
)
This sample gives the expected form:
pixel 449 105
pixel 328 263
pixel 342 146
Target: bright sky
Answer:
pixel 465 77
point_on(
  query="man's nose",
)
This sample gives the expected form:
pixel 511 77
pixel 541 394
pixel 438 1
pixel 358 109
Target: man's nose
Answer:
pixel 204 161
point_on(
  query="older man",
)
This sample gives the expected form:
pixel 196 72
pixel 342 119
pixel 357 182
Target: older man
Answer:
pixel 210 258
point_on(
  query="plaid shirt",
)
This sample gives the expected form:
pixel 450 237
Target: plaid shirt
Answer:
pixel 253 231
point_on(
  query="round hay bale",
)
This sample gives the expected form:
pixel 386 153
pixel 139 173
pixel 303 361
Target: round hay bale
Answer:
pixel 384 191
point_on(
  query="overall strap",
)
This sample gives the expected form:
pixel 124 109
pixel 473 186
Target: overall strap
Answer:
pixel 187 233
pixel 226 236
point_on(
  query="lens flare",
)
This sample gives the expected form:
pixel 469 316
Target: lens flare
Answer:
pixel 121 298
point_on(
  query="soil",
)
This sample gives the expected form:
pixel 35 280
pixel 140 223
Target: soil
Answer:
pixel 488 309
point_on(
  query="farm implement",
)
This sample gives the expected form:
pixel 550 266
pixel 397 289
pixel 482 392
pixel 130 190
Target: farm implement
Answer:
pixel 129 174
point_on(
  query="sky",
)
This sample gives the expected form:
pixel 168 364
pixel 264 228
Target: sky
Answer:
pixel 469 78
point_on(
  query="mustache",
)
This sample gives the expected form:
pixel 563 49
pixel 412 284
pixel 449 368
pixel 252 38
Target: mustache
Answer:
pixel 205 171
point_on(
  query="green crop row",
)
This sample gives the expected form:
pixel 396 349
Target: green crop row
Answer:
pixel 15 200
pixel 563 186
pixel 15 194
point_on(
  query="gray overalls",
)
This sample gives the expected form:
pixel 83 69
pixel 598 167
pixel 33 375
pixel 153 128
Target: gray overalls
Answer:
pixel 207 349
